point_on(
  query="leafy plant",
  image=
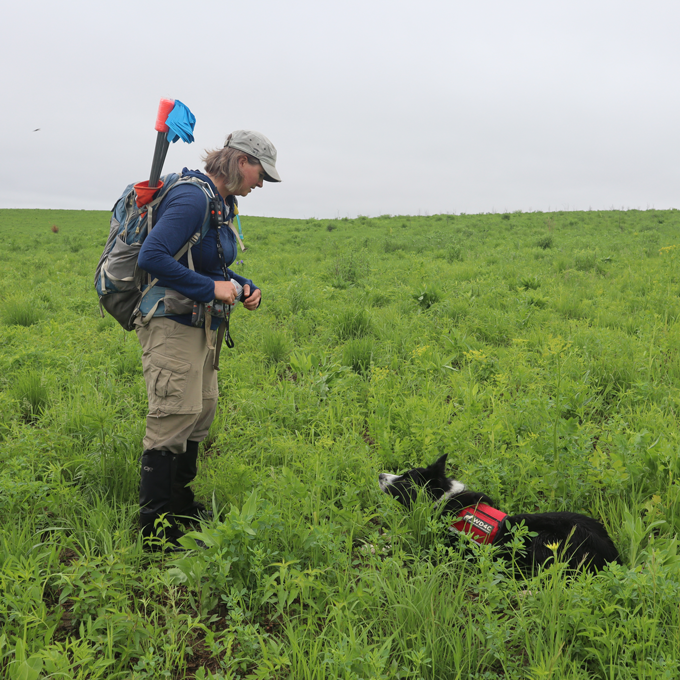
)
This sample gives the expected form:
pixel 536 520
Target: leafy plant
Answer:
pixel 454 253
pixel 428 296
pixel 298 299
pixel 20 311
pixel 274 346
pixel 30 390
pixel 546 242
pixel 530 282
pixel 348 270
pixel 352 323
pixel 358 354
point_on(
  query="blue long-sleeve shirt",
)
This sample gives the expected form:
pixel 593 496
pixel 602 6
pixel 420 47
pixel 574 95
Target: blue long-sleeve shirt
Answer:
pixel 179 216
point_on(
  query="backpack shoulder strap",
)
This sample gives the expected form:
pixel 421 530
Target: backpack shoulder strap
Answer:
pixel 186 248
pixel 173 180
pixel 209 196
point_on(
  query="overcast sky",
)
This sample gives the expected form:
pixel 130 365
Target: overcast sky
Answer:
pixel 375 107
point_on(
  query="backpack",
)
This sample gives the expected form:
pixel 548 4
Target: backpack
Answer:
pixel 118 280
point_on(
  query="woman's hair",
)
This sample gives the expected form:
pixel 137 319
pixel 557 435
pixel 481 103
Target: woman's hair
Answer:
pixel 224 163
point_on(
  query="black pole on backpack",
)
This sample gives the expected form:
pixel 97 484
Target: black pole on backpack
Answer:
pixel 159 154
pixel 162 143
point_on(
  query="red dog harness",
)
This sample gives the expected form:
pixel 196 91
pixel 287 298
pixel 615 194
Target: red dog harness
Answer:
pixel 481 522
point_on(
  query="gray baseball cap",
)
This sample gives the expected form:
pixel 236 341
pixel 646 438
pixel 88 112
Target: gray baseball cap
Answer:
pixel 257 145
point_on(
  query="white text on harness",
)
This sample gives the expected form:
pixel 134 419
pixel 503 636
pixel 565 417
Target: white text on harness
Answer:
pixel 481 522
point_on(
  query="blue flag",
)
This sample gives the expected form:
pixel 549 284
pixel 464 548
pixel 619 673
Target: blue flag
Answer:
pixel 181 123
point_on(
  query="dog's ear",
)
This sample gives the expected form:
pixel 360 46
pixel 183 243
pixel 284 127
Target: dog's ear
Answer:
pixel 440 464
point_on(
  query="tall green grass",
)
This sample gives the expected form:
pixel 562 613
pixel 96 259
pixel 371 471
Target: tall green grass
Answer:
pixel 549 372
pixel 20 310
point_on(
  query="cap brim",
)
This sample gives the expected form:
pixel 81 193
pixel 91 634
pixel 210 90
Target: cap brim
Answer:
pixel 270 172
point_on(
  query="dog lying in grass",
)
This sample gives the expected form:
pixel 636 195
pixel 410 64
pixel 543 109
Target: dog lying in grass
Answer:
pixel 580 541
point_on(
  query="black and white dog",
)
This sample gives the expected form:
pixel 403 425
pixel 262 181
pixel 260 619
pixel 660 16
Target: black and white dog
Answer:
pixel 578 540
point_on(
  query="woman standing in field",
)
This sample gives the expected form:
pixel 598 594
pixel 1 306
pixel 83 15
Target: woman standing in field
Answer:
pixel 179 359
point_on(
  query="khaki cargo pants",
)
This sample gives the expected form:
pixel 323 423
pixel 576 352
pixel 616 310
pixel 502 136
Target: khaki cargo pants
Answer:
pixel 181 384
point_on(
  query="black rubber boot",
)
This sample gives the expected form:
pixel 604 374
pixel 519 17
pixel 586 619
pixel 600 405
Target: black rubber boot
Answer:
pixel 158 528
pixel 183 500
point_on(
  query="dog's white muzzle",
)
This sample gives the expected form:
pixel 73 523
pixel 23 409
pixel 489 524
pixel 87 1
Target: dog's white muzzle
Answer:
pixel 385 480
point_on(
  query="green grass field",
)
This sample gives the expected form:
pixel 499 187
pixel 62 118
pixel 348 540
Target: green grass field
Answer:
pixel 540 350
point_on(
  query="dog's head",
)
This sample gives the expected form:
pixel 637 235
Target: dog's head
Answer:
pixel 432 479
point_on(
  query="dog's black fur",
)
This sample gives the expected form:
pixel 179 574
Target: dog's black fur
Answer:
pixel 583 541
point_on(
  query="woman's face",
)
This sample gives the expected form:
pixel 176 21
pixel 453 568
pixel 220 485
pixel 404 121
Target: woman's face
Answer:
pixel 253 176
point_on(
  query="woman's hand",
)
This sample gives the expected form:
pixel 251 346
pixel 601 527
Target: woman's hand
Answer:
pixel 225 291
pixel 254 300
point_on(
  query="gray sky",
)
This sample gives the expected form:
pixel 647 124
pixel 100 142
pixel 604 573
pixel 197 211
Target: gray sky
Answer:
pixel 375 107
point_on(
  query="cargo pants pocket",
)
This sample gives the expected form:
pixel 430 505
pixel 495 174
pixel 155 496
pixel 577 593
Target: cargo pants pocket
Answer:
pixel 167 383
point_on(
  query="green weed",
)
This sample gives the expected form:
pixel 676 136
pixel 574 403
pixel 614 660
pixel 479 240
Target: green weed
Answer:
pixel 454 253
pixel 546 242
pixel 20 311
pixel 567 400
pixel 427 297
pixel 348 270
pixel 298 299
pixel 529 283
pixel 274 346
pixel 358 354
pixel 30 390
pixel 352 323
